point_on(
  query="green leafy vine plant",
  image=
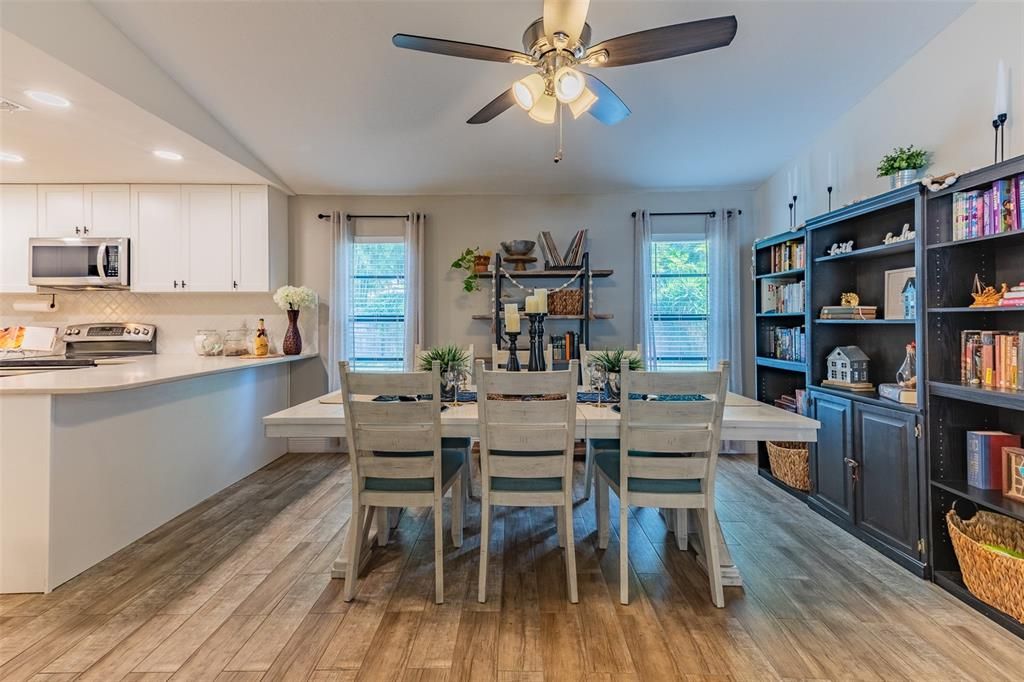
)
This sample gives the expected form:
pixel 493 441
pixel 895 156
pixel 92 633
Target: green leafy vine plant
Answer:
pixel 902 158
pixel 465 262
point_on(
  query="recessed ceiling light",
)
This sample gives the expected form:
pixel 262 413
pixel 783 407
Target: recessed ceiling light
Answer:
pixel 13 158
pixel 49 99
pixel 168 155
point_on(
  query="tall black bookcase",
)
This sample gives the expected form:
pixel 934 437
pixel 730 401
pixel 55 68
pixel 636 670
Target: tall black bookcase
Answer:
pixel 954 408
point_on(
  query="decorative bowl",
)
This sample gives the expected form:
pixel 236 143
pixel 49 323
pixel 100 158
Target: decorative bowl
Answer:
pixel 518 247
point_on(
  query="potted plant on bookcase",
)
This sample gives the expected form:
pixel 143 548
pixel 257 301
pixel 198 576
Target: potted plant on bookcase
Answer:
pixel 902 165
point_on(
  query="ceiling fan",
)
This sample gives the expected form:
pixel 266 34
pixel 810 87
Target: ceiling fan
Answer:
pixel 558 44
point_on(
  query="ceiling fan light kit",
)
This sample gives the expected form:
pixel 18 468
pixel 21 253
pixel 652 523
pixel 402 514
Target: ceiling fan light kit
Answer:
pixel 558 43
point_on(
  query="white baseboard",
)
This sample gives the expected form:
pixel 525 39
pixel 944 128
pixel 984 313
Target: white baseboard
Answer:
pixel 314 445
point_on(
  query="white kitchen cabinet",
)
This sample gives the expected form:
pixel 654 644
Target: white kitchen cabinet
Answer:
pixel 106 210
pixel 250 262
pixel 207 230
pixel 18 222
pixel 61 211
pixel 158 246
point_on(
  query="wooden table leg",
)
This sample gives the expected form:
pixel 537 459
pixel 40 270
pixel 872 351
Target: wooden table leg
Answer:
pixel 730 573
pixel 390 518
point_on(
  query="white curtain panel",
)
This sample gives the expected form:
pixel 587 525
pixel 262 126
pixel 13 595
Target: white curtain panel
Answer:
pixel 725 320
pixel 414 250
pixel 338 341
pixel 643 290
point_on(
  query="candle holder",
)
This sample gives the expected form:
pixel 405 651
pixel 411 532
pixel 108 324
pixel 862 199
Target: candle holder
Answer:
pixel 791 214
pixel 999 143
pixel 512 364
pixel 536 363
pixel 794 211
pixel 829 190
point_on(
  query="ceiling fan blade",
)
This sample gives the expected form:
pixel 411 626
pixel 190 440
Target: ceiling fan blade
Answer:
pixel 453 48
pixel 565 16
pixel 492 109
pixel 667 41
pixel 608 108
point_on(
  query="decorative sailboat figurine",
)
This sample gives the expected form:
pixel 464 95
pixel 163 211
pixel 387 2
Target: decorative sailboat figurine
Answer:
pixel 986 297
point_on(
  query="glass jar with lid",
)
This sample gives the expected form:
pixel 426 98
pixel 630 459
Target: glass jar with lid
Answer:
pixel 236 342
pixel 208 342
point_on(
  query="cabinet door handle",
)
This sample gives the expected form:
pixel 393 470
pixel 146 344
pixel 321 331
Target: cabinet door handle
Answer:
pixel 182 284
pixel 85 229
pixel 854 467
pixel 234 284
pixel 78 230
pixel 175 284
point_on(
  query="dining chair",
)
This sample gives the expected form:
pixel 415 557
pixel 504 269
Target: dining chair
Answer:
pixel 667 454
pixel 397 459
pixel 595 444
pixel 526 449
pixel 499 357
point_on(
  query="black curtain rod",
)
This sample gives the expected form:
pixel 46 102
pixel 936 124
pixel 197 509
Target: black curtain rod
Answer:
pixel 710 214
pixel 350 216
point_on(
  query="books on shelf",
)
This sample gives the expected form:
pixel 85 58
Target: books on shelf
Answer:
pixel 838 312
pixel 788 256
pixel 787 344
pixel 856 387
pixel 992 359
pixel 782 296
pixel 980 213
pixel 573 254
pixel 897 394
pixel 1013 297
pixel 985 457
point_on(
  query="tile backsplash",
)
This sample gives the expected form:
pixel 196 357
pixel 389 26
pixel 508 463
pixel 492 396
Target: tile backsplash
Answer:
pixel 176 316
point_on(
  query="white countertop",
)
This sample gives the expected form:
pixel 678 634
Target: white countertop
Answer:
pixel 141 371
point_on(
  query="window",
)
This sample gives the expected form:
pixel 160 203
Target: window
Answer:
pixel 679 301
pixel 376 320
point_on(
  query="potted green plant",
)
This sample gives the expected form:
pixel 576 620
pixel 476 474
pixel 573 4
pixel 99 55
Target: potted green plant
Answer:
pixel 473 262
pixel 451 358
pixel 610 361
pixel 902 165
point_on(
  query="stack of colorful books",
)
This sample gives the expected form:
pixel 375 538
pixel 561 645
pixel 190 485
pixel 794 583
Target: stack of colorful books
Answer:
pixel 992 359
pixel 787 256
pixel 787 344
pixel 782 296
pixel 1013 297
pixel 838 312
pixel 994 211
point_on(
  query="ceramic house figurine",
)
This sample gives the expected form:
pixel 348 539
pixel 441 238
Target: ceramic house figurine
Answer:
pixel 848 364
pixel 910 299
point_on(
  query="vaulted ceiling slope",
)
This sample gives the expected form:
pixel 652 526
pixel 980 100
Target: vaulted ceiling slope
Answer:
pixel 318 93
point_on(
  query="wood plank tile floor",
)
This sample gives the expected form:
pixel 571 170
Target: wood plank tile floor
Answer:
pixel 238 588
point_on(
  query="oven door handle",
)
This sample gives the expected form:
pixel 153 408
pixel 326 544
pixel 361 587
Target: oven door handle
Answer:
pixel 101 253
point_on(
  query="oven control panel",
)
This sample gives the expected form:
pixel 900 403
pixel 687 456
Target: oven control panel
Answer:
pixel 126 331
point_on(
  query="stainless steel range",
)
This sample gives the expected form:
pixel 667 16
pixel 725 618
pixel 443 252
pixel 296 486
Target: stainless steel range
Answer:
pixel 89 344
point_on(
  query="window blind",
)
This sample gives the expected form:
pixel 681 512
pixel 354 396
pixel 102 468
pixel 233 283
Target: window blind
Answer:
pixel 679 311
pixel 376 310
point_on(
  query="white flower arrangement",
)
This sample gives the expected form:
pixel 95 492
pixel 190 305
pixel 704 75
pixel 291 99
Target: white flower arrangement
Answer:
pixel 294 298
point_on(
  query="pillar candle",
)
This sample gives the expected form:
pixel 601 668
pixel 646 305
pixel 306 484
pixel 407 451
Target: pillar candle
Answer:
pixel 831 171
pixel 511 318
pixel 542 300
pixel 1002 85
pixel 531 304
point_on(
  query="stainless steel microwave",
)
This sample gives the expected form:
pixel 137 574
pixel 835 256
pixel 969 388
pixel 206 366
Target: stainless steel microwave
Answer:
pixel 79 263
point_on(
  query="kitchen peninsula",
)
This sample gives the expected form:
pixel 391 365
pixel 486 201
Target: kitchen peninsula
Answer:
pixel 93 459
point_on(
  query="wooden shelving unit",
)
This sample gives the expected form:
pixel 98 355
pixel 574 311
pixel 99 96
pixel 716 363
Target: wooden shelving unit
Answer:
pixel 774 376
pixel 954 408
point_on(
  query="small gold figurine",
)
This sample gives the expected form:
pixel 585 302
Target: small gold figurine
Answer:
pixel 849 300
pixel 986 297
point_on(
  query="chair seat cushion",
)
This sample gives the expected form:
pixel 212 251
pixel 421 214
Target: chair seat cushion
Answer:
pixel 525 485
pixel 451 460
pixel 608 462
pixel 457 443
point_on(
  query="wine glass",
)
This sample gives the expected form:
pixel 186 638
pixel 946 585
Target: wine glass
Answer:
pixel 451 380
pixel 598 379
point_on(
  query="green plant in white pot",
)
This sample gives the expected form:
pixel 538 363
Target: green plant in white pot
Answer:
pixel 610 363
pixel 902 165
pixel 451 358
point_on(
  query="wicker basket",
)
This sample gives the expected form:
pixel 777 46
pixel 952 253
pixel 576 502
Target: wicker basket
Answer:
pixel 789 464
pixel 992 577
pixel 565 302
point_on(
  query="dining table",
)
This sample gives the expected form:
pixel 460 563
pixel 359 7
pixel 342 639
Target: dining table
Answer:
pixel 744 419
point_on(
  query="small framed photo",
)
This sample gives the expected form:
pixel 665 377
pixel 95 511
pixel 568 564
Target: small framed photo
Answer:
pixel 900 294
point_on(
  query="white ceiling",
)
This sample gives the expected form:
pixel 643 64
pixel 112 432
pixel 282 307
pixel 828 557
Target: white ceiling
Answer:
pixel 318 93
pixel 102 137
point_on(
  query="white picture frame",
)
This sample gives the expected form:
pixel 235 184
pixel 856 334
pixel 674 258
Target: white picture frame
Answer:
pixel 895 280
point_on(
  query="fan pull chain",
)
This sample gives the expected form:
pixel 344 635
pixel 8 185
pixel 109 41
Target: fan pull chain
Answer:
pixel 559 153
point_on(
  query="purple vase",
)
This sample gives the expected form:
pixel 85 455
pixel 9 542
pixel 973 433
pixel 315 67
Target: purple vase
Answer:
pixel 292 344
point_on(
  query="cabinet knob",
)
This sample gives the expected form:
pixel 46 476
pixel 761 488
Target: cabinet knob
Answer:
pixel 175 284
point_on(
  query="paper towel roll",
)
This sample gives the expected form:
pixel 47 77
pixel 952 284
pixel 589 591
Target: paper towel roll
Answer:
pixel 35 306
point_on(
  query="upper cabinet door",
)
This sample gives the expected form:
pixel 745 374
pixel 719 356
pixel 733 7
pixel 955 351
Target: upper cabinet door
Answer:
pixel 251 237
pixel 61 211
pixel 206 223
pixel 107 211
pixel 17 224
pixel 157 262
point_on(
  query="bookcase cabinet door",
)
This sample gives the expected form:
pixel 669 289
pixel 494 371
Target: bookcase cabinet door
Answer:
pixel 887 487
pixel 831 482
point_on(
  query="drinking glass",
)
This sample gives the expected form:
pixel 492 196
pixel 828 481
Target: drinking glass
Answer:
pixel 598 379
pixel 451 379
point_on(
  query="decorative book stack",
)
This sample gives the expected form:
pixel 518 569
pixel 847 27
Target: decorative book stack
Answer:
pixel 859 312
pixel 897 393
pixel 985 457
pixel 782 296
pixel 1013 297
pixel 788 256
pixel 980 213
pixel 992 359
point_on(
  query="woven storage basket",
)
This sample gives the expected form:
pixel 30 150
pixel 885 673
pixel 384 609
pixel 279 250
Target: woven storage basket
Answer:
pixel 789 464
pixel 565 302
pixel 992 577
